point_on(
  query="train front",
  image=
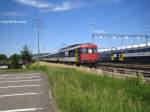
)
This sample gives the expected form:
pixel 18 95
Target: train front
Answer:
pixel 88 54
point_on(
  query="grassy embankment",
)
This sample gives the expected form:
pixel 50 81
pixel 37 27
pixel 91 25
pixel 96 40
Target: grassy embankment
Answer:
pixel 76 90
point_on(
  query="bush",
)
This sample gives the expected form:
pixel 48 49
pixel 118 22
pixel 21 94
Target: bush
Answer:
pixel 136 79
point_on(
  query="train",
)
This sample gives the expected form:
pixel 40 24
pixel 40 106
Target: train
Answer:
pixel 129 54
pixel 87 54
pixel 79 54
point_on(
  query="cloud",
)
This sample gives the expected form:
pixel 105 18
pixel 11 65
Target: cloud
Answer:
pixel 11 14
pixel 34 3
pixel 63 6
pixel 44 6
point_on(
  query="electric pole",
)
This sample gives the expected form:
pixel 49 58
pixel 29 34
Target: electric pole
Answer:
pixel 92 31
pixel 146 28
pixel 92 37
pixel 38 25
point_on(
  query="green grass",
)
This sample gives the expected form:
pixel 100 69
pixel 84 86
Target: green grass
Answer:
pixel 19 70
pixel 79 91
pixel 2 71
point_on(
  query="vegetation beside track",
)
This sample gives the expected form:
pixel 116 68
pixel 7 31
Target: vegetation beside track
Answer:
pixel 76 90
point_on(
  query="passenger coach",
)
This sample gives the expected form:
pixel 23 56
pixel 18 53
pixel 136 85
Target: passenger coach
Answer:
pixel 130 54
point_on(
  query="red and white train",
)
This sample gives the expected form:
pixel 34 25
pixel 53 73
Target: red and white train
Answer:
pixel 77 54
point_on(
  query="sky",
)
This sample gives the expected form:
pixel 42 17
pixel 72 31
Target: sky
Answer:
pixel 65 22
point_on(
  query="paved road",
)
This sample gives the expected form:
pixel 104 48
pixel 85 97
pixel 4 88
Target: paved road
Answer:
pixel 24 92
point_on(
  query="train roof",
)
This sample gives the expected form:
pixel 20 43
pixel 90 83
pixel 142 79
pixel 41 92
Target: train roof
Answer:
pixel 123 48
pixel 34 56
pixel 70 46
pixel 76 46
pixel 88 45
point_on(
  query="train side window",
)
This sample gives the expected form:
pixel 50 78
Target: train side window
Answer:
pixel 73 53
pixel 66 53
pixel 142 50
pixel 59 55
pixel 69 53
pixel 62 54
pixel 148 50
pixel 131 51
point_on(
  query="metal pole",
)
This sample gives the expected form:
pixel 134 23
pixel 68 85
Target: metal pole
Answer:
pixel 38 27
pixel 147 28
pixel 92 24
pixel 134 40
pixel 92 38
pixel 146 40
pixel 44 51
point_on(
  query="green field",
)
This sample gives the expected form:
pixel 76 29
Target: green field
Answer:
pixel 76 90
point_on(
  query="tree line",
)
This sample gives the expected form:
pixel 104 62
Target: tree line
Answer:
pixel 17 60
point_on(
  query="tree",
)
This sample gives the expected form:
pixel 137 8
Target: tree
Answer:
pixel 26 55
pixel 14 61
pixel 3 57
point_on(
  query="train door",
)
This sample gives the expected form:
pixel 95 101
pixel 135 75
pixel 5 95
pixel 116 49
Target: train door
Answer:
pixel 77 59
pixel 117 56
pixel 121 56
pixel 112 57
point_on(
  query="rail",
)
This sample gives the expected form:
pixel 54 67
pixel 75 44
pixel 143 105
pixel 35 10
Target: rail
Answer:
pixel 127 72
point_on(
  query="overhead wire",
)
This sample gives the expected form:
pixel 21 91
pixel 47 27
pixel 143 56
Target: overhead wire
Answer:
pixel 127 19
pixel 106 15
pixel 74 19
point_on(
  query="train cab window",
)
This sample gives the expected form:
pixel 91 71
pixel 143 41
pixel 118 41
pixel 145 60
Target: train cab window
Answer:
pixel 90 51
pixel 84 51
pixel 94 50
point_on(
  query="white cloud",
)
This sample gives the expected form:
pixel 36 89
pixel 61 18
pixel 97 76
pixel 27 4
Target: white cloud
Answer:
pixel 63 7
pixel 34 3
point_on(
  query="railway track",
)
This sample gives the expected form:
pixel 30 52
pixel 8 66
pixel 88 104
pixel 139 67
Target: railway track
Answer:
pixel 118 71
pixel 142 67
pixel 126 70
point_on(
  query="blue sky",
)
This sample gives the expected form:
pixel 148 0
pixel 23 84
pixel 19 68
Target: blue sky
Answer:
pixel 69 22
